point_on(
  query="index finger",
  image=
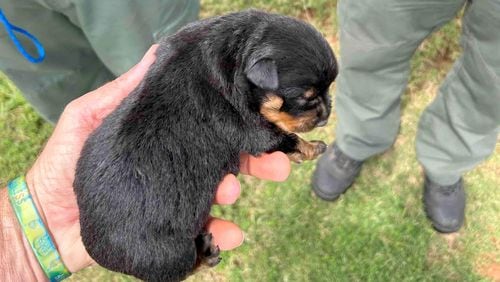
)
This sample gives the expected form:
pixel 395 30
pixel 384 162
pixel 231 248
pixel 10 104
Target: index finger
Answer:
pixel 274 166
pixel 96 105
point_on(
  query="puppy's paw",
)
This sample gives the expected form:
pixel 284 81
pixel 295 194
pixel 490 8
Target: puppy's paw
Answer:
pixel 319 147
pixel 307 150
pixel 296 157
pixel 208 253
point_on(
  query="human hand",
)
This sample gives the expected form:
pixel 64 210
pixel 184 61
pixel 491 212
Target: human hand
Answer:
pixel 50 180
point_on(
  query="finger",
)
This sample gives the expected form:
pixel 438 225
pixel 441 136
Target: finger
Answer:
pixel 228 190
pixel 92 107
pixel 125 83
pixel 274 166
pixel 119 88
pixel 226 234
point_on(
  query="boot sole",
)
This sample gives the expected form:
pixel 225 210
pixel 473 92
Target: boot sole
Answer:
pixel 445 230
pixel 323 195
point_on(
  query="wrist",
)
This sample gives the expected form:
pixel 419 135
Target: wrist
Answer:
pixel 64 231
pixel 17 261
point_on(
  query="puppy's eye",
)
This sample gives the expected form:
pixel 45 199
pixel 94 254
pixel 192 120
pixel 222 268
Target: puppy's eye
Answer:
pixel 301 101
pixel 293 92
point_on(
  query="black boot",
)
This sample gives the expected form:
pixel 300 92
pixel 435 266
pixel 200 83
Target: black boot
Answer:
pixel 445 205
pixel 335 172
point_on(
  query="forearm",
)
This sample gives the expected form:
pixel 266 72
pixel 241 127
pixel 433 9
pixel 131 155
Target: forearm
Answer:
pixel 17 261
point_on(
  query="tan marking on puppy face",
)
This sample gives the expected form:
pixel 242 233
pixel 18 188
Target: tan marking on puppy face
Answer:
pixel 270 109
pixel 310 93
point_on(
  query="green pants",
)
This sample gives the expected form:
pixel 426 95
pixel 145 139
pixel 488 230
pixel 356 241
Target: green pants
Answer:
pixel 87 43
pixel 377 39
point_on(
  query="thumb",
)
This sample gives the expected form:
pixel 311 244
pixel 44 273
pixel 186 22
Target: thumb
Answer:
pixel 94 106
pixel 124 84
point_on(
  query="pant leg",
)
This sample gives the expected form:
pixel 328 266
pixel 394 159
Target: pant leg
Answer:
pixel 121 31
pixel 377 40
pixel 460 128
pixel 70 68
pixel 87 42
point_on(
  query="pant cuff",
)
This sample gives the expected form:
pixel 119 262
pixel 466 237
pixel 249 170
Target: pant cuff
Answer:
pixel 442 179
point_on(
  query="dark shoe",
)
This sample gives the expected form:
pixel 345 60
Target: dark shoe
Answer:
pixel 335 172
pixel 445 205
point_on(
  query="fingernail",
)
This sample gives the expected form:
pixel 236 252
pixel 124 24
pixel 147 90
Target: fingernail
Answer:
pixel 235 192
pixel 242 239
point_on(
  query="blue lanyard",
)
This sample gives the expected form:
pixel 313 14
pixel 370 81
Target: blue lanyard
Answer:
pixel 11 29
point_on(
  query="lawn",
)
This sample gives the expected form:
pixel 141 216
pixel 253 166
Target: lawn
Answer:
pixel 375 232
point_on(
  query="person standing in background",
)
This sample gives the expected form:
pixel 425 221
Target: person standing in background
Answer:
pixel 456 132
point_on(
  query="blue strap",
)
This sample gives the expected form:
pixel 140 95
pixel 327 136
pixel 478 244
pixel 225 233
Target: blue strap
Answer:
pixel 11 29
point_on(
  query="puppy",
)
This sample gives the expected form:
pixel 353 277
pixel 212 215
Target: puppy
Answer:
pixel 146 178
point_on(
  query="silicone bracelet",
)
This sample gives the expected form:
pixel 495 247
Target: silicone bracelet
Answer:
pixel 35 231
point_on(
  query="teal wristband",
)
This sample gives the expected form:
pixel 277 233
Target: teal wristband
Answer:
pixel 35 231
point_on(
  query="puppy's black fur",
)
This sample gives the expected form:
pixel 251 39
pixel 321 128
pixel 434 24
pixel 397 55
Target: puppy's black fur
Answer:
pixel 146 179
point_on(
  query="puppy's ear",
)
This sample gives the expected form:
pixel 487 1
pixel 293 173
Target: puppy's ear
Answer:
pixel 263 74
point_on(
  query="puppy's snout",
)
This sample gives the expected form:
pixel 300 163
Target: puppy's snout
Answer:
pixel 323 114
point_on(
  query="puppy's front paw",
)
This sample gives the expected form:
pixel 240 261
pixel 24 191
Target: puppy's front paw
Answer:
pixel 319 147
pixel 307 150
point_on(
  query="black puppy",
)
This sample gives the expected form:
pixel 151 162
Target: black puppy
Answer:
pixel 146 178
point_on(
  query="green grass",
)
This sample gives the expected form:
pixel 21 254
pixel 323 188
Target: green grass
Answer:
pixel 22 132
pixel 375 232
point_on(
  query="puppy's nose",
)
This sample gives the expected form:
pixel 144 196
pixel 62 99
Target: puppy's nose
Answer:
pixel 322 123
